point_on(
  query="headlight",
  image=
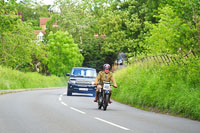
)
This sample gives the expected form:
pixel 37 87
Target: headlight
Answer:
pixel 72 81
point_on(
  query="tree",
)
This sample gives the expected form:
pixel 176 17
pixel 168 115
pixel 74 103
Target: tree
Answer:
pixel 81 23
pixel 63 53
pixel 32 11
pixel 128 26
pixel 189 12
pixel 17 39
pixel 75 19
pixel 124 28
pixel 171 33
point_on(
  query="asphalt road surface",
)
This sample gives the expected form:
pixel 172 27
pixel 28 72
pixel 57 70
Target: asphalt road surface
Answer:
pixel 51 111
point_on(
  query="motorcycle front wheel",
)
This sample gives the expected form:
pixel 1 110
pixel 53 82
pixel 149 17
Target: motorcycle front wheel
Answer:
pixel 100 99
pixel 105 103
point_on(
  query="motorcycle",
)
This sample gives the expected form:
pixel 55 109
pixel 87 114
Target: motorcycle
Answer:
pixel 103 96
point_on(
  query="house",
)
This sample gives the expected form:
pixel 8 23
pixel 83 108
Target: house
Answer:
pixel 40 33
pixel 43 22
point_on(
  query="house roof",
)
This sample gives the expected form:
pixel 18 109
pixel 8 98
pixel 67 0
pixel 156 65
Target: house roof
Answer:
pixel 38 31
pixel 43 21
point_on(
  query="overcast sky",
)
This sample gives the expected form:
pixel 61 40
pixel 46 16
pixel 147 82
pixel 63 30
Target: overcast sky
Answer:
pixel 47 2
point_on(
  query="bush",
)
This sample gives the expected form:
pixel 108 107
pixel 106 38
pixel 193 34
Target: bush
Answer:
pixel 173 88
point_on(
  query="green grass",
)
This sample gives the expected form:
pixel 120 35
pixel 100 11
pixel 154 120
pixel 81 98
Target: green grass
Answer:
pixel 174 89
pixel 12 79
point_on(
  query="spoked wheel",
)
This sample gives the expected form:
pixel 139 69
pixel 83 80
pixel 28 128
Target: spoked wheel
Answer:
pixel 99 106
pixel 100 101
pixel 104 107
pixel 105 104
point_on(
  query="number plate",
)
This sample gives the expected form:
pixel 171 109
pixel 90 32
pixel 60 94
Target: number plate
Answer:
pixel 106 87
pixel 83 89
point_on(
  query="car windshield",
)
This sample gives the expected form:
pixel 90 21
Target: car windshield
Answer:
pixel 84 72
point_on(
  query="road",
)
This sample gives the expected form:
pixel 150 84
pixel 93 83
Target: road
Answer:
pixel 51 111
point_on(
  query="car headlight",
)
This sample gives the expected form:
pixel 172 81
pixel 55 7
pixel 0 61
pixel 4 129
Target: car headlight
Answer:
pixel 72 81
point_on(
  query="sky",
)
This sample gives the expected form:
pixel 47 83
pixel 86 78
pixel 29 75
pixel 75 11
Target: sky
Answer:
pixel 47 2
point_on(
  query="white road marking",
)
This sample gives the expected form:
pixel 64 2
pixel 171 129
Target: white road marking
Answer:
pixel 77 110
pixel 111 123
pixel 64 103
pixel 60 98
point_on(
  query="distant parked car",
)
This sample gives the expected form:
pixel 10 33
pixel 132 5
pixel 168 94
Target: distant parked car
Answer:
pixel 82 80
pixel 119 61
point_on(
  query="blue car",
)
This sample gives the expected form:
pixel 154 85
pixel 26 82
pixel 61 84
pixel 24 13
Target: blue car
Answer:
pixel 82 80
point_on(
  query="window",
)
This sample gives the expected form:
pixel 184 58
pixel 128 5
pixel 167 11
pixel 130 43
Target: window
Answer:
pixel 84 72
pixel 40 36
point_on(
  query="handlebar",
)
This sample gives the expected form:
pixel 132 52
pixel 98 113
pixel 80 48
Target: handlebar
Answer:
pixel 107 83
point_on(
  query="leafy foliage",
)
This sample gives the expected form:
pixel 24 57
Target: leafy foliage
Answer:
pixel 16 37
pixel 81 23
pixel 171 33
pixel 63 53
pixel 75 19
pixel 125 26
pixel 174 89
pixel 32 11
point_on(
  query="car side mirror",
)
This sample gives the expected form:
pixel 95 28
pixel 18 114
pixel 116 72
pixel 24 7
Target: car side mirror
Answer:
pixel 67 74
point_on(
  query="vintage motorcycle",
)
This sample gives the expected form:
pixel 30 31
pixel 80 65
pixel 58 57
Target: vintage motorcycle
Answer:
pixel 103 96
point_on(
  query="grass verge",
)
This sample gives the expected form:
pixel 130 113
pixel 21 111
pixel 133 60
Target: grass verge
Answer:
pixel 13 79
pixel 173 89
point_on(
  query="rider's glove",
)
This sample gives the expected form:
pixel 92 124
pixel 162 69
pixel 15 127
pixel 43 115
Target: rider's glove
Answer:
pixel 115 86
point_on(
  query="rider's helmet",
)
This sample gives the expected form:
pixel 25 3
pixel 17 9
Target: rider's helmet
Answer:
pixel 106 66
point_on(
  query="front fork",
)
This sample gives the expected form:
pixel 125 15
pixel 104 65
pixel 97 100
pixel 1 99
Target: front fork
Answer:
pixel 103 96
pixel 106 96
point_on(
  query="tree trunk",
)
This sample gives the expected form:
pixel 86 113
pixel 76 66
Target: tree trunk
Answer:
pixel 199 40
pixel 198 33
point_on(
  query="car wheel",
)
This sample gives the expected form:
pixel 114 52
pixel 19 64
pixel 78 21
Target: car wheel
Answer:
pixel 69 93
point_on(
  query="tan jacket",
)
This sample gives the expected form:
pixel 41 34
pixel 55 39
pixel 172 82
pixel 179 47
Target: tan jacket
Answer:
pixel 101 77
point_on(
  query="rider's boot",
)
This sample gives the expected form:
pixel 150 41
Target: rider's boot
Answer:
pixel 109 101
pixel 96 98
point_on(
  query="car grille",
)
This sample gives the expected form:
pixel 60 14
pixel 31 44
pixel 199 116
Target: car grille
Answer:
pixel 84 82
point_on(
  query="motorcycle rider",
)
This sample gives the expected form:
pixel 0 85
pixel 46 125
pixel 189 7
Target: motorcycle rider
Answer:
pixel 107 76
